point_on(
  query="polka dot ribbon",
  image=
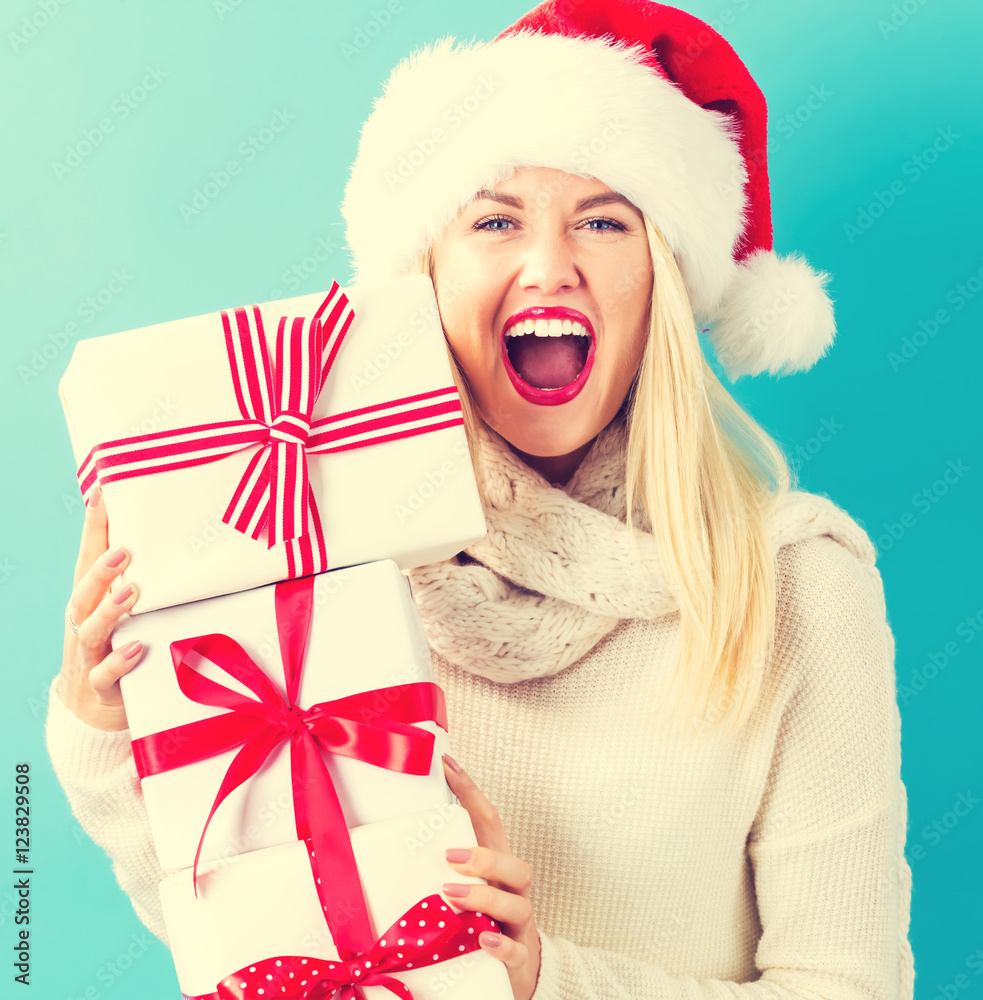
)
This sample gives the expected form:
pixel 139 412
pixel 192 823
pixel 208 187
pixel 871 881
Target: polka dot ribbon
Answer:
pixel 428 933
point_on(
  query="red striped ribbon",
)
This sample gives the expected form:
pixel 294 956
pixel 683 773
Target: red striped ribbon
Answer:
pixel 276 406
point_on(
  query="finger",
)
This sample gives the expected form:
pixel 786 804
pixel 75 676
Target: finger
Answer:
pixel 501 905
pixel 95 534
pixel 93 638
pixel 512 953
pixel 506 870
pixel 487 823
pixel 104 677
pixel 91 589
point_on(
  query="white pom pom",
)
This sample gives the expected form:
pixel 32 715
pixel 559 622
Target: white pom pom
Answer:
pixel 775 316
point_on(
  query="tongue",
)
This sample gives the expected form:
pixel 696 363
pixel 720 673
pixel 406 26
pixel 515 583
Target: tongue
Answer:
pixel 547 362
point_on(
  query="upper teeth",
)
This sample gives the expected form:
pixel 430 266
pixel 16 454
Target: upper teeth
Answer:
pixel 547 328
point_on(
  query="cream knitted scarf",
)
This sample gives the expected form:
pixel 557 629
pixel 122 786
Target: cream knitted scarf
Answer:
pixel 553 574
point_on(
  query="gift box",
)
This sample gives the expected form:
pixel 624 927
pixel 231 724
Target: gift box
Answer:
pixel 269 442
pixel 256 927
pixel 333 668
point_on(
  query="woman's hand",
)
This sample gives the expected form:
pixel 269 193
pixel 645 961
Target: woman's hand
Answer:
pixel 506 897
pixel 89 680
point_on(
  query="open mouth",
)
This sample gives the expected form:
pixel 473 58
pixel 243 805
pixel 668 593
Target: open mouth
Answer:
pixel 548 353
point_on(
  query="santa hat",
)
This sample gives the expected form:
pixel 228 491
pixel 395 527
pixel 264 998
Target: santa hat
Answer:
pixel 641 96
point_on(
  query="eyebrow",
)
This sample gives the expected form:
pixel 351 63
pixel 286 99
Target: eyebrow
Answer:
pixel 584 205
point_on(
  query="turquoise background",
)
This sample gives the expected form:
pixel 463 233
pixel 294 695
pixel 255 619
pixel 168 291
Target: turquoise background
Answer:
pixel 869 427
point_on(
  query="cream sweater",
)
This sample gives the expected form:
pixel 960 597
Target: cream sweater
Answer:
pixel 769 865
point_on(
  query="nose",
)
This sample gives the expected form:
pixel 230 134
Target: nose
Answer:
pixel 549 264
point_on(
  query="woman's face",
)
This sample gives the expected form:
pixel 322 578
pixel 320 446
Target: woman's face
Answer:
pixel 549 253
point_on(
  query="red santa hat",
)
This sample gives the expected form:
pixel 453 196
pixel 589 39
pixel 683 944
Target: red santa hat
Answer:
pixel 641 96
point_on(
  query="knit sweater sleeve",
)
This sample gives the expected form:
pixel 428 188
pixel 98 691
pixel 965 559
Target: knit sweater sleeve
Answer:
pixel 832 884
pixel 96 771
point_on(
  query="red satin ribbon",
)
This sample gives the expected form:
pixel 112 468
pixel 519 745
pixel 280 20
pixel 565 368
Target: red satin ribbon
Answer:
pixel 372 726
pixel 428 933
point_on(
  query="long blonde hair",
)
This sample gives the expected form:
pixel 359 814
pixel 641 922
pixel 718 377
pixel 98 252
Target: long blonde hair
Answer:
pixel 703 476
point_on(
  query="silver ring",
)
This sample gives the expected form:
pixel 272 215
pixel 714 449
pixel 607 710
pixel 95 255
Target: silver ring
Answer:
pixel 74 627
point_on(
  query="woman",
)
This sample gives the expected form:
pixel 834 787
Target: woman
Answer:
pixel 669 675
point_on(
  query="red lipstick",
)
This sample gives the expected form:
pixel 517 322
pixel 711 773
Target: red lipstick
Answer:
pixel 548 397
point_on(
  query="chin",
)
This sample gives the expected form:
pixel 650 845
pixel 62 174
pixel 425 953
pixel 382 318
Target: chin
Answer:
pixel 543 441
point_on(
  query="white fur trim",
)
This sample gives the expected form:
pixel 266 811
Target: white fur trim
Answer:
pixel 453 120
pixel 775 317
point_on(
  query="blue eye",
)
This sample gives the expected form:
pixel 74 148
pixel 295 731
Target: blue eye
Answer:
pixel 611 225
pixel 488 224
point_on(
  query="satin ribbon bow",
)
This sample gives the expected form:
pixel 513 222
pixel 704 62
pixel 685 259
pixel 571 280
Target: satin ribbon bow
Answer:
pixel 427 933
pixel 372 726
pixel 276 406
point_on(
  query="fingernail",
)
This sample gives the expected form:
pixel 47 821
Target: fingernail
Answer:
pixel 458 855
pixel 487 940
pixel 123 594
pixel 451 763
pixel 94 497
pixel 456 889
pixel 130 649
pixel 115 558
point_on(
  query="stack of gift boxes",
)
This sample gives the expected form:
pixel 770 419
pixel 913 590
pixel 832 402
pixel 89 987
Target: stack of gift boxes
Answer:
pixel 286 724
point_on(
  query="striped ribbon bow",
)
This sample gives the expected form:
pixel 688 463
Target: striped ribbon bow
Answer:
pixel 276 406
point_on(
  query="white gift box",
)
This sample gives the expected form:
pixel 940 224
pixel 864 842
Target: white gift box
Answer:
pixel 365 634
pixel 264 904
pixel 413 500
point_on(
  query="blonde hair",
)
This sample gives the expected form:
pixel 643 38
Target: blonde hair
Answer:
pixel 704 477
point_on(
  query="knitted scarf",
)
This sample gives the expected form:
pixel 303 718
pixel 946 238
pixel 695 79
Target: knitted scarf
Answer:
pixel 553 575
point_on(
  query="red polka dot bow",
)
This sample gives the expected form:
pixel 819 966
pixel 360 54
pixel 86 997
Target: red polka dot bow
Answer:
pixel 428 933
